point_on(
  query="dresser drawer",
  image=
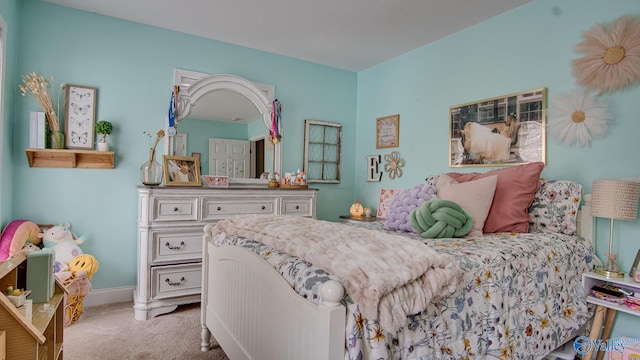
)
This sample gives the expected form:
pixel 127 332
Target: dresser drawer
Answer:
pixel 301 206
pixel 221 208
pixel 176 280
pixel 175 209
pixel 171 246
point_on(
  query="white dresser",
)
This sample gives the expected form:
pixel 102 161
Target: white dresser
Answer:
pixel 170 232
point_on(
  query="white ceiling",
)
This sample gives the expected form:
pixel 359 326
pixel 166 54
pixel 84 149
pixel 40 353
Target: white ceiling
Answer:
pixel 346 34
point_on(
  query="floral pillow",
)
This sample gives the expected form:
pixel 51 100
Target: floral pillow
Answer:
pixel 555 207
pixel 432 180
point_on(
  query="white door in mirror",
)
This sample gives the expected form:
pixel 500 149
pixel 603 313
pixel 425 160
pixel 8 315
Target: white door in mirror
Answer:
pixel 229 158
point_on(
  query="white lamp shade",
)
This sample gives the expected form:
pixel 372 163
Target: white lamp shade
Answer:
pixel 615 199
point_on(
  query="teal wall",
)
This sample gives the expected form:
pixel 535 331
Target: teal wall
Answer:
pixel 132 65
pixel 9 12
pixel 526 48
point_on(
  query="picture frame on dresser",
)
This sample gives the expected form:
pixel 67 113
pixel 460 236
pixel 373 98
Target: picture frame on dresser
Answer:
pixel 181 171
pixel 79 116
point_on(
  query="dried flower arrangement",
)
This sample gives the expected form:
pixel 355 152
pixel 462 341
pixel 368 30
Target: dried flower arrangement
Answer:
pixel 147 168
pixel 37 86
pixel 159 135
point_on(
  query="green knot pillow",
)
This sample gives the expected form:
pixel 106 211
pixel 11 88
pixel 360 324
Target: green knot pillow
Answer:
pixel 437 218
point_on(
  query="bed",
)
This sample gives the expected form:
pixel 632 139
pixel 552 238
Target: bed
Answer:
pixel 518 295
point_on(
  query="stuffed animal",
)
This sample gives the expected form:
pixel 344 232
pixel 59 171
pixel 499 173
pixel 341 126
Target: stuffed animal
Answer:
pixel 15 235
pixel 85 262
pixel 64 244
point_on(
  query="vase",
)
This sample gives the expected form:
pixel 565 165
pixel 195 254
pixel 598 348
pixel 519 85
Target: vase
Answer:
pixel 151 171
pixel 102 146
pixel 56 140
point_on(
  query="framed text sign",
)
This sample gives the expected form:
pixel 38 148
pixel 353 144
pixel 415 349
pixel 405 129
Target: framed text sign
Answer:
pixel 388 131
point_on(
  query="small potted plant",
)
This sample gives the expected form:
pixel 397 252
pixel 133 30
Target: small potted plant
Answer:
pixel 103 128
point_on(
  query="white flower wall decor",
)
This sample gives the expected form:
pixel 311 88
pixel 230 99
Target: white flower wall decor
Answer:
pixel 611 58
pixel 578 117
pixel 394 165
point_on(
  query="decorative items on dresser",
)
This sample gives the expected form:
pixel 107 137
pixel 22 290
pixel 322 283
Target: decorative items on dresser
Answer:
pixel 170 230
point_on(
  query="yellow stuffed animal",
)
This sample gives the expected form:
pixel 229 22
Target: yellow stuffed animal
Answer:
pixel 84 262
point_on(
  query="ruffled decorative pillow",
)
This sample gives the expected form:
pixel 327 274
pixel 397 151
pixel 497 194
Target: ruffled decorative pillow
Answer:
pixel 555 207
pixel 403 203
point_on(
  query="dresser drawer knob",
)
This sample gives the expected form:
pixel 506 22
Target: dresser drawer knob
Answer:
pixel 171 247
pixel 263 207
pixel 297 207
pixel 219 208
pixel 171 283
pixel 175 209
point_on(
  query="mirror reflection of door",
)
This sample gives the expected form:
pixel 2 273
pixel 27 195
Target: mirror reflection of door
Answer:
pixel 180 144
pixel 229 157
pixel 257 163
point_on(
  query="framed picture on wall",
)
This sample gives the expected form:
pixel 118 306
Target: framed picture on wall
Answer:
pixel 80 116
pixel 181 171
pixel 500 131
pixel 388 132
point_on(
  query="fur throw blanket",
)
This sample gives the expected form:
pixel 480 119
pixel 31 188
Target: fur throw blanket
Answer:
pixel 389 276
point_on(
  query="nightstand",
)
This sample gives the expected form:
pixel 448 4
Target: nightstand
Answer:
pixel 588 281
pixel 354 219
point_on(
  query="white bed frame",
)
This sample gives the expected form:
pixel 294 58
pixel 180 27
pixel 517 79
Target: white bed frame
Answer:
pixel 253 313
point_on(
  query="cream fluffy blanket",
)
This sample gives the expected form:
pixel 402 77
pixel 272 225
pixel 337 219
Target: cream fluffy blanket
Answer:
pixel 389 276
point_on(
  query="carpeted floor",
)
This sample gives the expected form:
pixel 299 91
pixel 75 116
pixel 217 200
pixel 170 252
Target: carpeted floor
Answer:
pixel 111 332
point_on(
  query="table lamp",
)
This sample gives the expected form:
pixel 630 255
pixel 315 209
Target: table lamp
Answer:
pixel 356 209
pixel 616 200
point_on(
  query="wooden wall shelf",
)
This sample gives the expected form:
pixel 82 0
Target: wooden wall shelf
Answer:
pixel 70 158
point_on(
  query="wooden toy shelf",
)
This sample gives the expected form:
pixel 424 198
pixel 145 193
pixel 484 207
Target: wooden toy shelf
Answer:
pixel 70 158
pixel 42 338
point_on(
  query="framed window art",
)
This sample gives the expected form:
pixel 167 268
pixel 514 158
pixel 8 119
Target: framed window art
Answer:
pixel 80 116
pixel 322 143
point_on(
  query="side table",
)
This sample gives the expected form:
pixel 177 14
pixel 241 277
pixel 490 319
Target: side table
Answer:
pixel 357 219
pixel 605 310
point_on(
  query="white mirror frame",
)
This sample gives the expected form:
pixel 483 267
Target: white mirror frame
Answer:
pixel 189 96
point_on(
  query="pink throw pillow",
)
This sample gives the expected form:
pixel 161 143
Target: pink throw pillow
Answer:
pixel 474 196
pixel 514 193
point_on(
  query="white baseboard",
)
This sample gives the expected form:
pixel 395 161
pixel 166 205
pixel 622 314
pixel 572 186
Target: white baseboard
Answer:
pixel 109 296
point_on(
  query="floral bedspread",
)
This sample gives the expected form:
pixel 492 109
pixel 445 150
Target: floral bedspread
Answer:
pixel 521 297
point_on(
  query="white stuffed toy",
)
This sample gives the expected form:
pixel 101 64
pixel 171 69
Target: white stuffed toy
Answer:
pixel 64 244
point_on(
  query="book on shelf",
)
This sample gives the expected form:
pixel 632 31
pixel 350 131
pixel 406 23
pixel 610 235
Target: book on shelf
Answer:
pixel 37 130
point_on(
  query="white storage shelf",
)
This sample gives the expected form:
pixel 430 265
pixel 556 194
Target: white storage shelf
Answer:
pixel 592 279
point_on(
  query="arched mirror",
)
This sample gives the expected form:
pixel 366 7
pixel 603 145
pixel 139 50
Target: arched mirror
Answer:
pixel 226 119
